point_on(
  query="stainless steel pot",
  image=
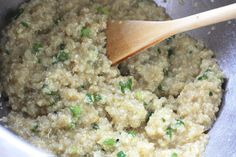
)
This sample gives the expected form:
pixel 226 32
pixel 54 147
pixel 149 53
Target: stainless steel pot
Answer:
pixel 221 38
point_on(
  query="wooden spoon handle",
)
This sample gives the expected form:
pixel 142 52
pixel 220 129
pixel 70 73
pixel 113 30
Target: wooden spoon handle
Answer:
pixel 204 19
pixel 126 38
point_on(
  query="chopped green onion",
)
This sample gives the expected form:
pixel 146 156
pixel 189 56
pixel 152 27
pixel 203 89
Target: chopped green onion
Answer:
pixel 174 155
pixel 160 88
pixel 163 120
pixel 169 40
pixel 132 133
pixel 166 72
pixel 39 60
pixel 36 48
pixel 204 76
pixel 95 126
pixel 121 154
pixel 159 50
pixel 73 150
pixel 7 51
pixel 62 46
pixel 76 111
pixel 72 125
pixel 179 122
pixel 210 93
pixel 82 86
pixel 57 21
pixel 25 24
pixel 170 52
pixel 46 89
pixel 208 70
pixel 85 32
pixel 54 94
pixel 103 10
pixel 60 57
pixel 19 12
pixel 125 85
pixel 149 114
pixel 92 98
pixel 35 128
pixel 138 95
pixel 109 142
pixel 145 104
pixel 169 131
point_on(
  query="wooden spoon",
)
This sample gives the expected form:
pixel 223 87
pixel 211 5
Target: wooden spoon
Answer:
pixel 126 38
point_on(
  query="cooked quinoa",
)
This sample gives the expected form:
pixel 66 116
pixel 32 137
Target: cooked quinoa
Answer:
pixel 67 99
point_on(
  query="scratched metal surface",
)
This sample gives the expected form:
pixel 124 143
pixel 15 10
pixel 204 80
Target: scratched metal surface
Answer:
pixel 221 38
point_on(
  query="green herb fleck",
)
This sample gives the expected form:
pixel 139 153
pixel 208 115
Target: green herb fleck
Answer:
pixel 109 142
pixel 36 48
pixel 92 98
pixel 46 89
pixel 179 122
pixel 103 10
pixel 204 76
pixel 170 52
pixel 208 70
pixel 39 60
pixel 60 57
pixel 160 88
pixel 159 50
pixel 82 86
pixel 56 21
pixel 19 12
pixel 174 155
pixel 72 125
pixel 7 52
pixel 62 46
pixel 73 150
pixel 76 111
pixel 166 72
pixel 138 95
pixel 163 120
pixel 169 40
pixel 35 128
pixel 145 104
pixel 95 126
pixel 125 85
pixel 169 131
pixel 54 94
pixel 190 52
pixel 24 24
pixel 132 133
pixel 85 32
pixel 121 154
pixel 210 93
pixel 149 114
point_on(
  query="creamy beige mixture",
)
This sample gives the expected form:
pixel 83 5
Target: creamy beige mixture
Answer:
pixel 67 99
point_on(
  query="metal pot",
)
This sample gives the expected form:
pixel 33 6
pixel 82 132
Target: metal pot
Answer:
pixel 221 38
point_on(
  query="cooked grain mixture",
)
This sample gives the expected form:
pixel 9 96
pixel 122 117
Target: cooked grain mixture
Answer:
pixel 67 98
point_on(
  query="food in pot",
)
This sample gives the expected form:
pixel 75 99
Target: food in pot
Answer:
pixel 67 99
